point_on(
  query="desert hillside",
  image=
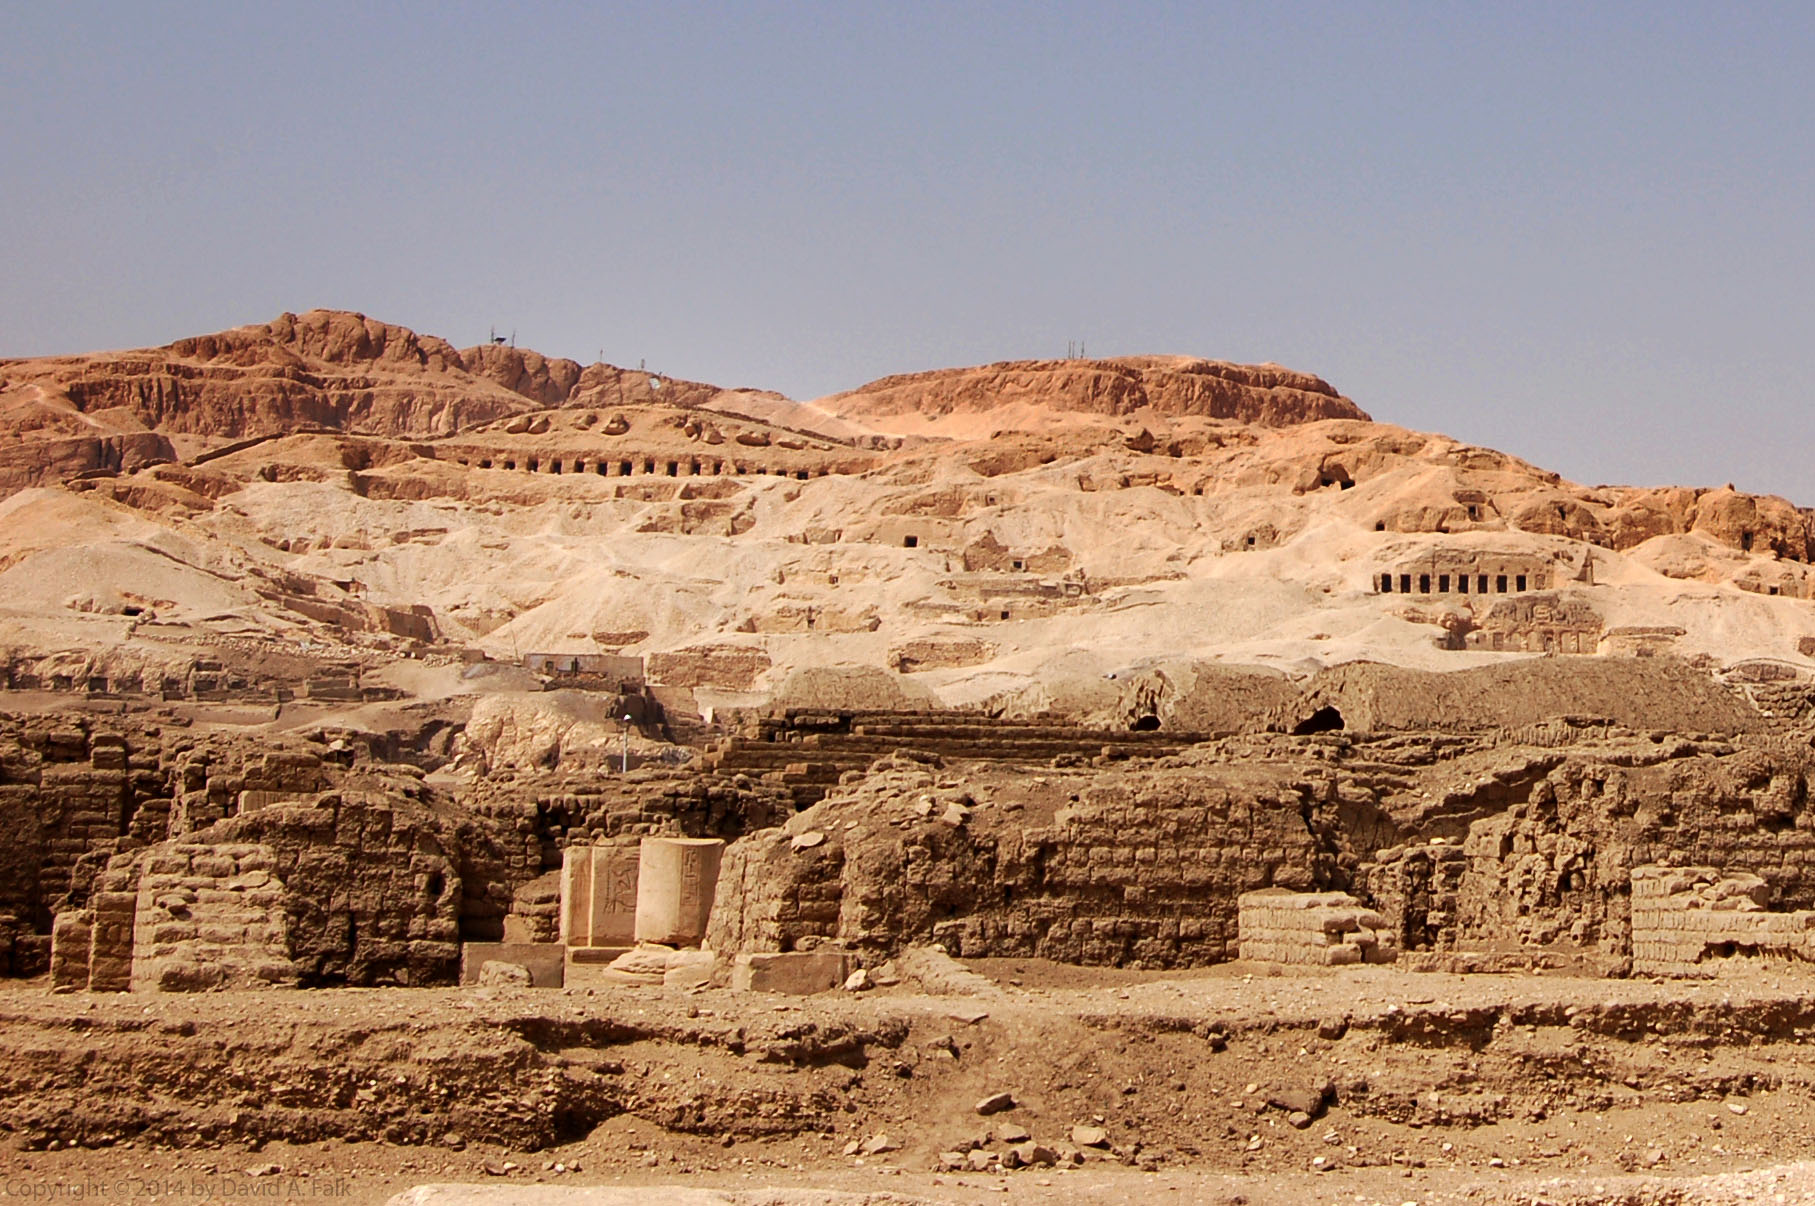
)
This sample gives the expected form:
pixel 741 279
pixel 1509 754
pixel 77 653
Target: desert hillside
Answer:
pixel 329 495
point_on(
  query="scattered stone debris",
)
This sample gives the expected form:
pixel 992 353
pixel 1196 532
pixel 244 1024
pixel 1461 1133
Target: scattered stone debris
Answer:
pixel 1090 1136
pixel 995 1103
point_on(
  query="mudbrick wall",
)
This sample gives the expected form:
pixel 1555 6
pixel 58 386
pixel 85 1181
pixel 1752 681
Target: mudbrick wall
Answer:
pixel 210 916
pixel 1459 844
pixel 175 859
pixel 665 802
pixel 1687 920
pixel 334 891
pixel 160 857
pixel 1140 866
pixel 1325 929
pixel 65 789
pixel 1558 867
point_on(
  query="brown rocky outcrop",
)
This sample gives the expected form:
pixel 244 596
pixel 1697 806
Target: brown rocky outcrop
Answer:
pixel 40 462
pixel 1752 523
pixel 327 369
pixel 608 385
pixel 524 372
pixel 1557 514
pixel 331 336
pixel 1165 385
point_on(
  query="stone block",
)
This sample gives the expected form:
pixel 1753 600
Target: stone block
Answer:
pixel 546 962
pixel 494 973
pixel 213 866
pixel 800 973
pixel 594 956
pixel 253 800
pixel 276 971
pixel 174 975
pixel 690 969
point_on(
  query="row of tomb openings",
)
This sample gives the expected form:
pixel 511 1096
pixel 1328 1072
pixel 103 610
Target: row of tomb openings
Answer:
pixel 645 467
pixel 1499 582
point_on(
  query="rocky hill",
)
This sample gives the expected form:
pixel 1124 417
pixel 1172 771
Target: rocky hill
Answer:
pixel 1164 386
pixel 327 494
pixel 324 370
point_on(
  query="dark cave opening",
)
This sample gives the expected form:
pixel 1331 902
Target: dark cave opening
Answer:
pixel 1324 720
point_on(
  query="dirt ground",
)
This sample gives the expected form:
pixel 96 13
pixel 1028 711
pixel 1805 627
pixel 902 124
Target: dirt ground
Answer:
pixel 1240 1083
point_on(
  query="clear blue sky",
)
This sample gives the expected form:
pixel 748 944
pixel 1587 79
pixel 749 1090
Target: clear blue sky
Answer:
pixel 1584 234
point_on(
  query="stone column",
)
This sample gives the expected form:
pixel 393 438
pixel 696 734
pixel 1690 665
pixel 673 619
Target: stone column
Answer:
pixel 576 896
pixel 598 895
pixel 675 881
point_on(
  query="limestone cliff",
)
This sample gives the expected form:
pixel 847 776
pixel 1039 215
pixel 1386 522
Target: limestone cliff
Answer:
pixel 1161 385
pixel 329 369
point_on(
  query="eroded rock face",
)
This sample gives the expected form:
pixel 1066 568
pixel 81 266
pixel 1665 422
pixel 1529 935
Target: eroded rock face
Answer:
pixel 54 460
pixel 333 336
pixel 1752 524
pixel 524 372
pixel 1164 385
pixel 546 729
pixel 323 369
pixel 327 369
